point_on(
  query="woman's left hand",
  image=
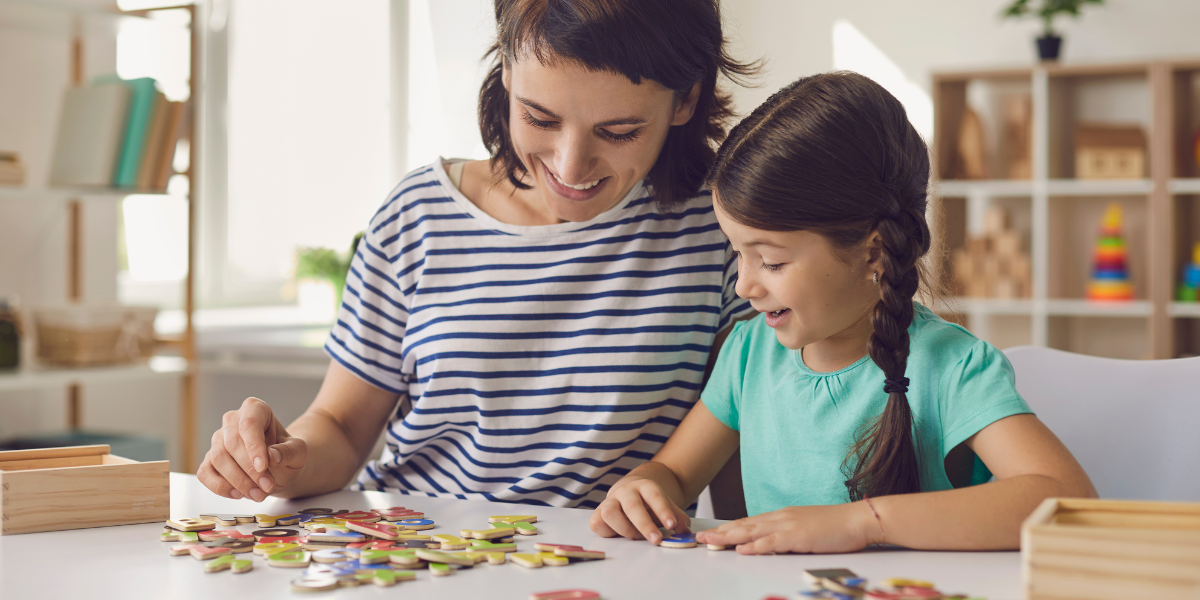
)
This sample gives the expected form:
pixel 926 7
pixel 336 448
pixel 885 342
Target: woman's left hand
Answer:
pixel 802 529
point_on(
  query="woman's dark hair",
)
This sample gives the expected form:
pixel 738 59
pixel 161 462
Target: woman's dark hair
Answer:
pixel 835 154
pixel 677 43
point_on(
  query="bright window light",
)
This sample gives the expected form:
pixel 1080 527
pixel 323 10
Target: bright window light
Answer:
pixel 852 51
pixel 158 47
pixel 156 237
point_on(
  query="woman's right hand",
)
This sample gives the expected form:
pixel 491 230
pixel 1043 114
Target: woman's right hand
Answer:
pixel 252 455
pixel 631 509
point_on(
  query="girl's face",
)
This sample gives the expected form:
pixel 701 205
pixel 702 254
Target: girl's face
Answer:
pixel 809 292
pixel 586 137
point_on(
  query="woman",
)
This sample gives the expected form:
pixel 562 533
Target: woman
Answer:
pixel 531 327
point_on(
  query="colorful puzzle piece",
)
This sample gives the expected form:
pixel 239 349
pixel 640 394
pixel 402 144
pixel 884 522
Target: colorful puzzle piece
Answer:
pixel 373 545
pixel 182 549
pixel 385 531
pixel 262 533
pixel 273 548
pixel 554 560
pixel 529 561
pixel 315 583
pixel 366 516
pixel 435 556
pixel 234 546
pixel 566 595
pixel 292 559
pixel 336 536
pixel 513 519
pixel 191 524
pixel 202 552
pixel 374 557
pixel 237 565
pixel 416 524
pixel 398 513
pixel 216 534
pixel 228 519
pixel 488 534
pixel 578 553
pixel 179 536
pixel 450 542
pixel 678 540
pixel 335 555
pixel 489 546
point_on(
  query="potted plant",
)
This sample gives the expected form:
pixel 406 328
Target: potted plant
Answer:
pixel 1049 43
pixel 326 265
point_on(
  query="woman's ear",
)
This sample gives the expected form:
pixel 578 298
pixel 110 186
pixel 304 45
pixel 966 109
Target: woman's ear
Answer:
pixel 686 107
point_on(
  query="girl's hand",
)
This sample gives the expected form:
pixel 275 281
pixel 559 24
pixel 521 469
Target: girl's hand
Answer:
pixel 634 508
pixel 802 529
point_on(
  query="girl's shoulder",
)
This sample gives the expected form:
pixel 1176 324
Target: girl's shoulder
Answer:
pixel 943 345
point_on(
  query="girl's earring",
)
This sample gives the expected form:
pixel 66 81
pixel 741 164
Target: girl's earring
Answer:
pixel 875 279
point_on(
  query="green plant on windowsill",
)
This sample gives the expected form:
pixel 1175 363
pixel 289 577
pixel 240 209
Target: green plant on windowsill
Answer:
pixel 1050 42
pixel 324 264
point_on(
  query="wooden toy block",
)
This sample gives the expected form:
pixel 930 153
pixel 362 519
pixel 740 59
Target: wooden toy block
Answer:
pixel 179 536
pixel 202 552
pixel 678 540
pixel 566 595
pixel 228 519
pixel 216 534
pixel 219 564
pixel 336 536
pixel 86 486
pixel 385 531
pixel 181 549
pixel 234 546
pixel 440 569
pixel 269 548
pixel 316 583
pixel 529 561
pixel 513 519
pixel 291 559
pixel 450 542
pixel 375 557
pixel 718 547
pixel 554 560
pixel 580 553
pixel 335 555
pixel 262 533
pixel 416 524
pixel 191 524
pixel 488 546
pixel 242 566
pixel 434 556
pixel 488 534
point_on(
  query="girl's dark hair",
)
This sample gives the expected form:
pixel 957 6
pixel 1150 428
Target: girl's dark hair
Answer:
pixel 677 43
pixel 835 154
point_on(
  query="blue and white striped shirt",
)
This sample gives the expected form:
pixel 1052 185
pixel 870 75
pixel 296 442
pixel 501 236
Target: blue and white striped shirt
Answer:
pixel 540 363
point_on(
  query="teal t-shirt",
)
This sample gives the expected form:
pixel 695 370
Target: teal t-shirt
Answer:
pixel 797 425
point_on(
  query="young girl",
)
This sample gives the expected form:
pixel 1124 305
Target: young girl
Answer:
pixel 861 416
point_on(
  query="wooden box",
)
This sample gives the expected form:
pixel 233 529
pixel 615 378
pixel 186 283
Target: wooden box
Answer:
pixel 73 488
pixel 1109 152
pixel 1111 549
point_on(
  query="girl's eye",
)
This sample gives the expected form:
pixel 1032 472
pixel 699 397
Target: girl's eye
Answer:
pixel 772 268
pixel 528 118
pixel 620 137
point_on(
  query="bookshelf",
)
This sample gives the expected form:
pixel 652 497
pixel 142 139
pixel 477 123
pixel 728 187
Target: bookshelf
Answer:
pixel 70 20
pixel 1058 215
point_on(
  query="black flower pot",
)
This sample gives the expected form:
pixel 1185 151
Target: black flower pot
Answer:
pixel 1048 47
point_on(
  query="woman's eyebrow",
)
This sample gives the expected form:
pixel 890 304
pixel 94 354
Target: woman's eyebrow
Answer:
pixel 608 123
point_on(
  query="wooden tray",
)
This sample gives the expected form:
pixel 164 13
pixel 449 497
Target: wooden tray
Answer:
pixel 1111 549
pixel 84 486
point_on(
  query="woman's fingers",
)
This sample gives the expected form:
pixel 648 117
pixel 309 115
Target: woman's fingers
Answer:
pixel 213 481
pixel 232 472
pixel 254 420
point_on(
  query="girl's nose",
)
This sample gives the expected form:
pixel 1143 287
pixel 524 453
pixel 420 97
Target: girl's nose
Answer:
pixel 746 286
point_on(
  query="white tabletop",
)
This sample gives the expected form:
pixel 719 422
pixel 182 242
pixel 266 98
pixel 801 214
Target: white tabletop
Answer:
pixel 130 561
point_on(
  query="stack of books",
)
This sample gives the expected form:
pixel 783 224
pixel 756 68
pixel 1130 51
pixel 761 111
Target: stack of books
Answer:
pixel 117 133
pixel 12 172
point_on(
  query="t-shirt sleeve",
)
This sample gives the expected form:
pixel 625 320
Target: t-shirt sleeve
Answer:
pixel 722 395
pixel 732 306
pixel 368 336
pixel 980 390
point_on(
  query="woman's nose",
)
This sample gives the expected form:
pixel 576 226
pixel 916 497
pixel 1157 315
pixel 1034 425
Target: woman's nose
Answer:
pixel 574 158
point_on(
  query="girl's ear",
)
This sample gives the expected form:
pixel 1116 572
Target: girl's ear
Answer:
pixel 686 107
pixel 873 250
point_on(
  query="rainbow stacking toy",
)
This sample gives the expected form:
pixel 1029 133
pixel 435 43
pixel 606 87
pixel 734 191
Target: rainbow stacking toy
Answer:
pixel 1110 278
pixel 1189 289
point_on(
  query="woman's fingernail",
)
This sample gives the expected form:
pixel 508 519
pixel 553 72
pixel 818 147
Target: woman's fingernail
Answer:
pixel 259 464
pixel 257 495
pixel 266 484
pixel 236 495
pixel 276 456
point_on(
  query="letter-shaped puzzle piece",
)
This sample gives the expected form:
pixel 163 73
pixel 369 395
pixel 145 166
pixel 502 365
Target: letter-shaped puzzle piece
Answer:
pixel 202 552
pixel 441 569
pixel 375 557
pixel 373 545
pixel 554 560
pixel 361 515
pixel 386 577
pixel 227 519
pixel 315 583
pixel 416 524
pixel 336 555
pixel 292 559
pixel 234 546
pixel 324 525
pixel 529 561
pixel 488 534
pixel 513 519
pixel 191 524
pixel 219 564
pixel 277 532
pixel 399 513
pixel 547 547
pixel 179 536
pixel 385 531
pixel 678 540
pixel 487 546
pixel 451 542
pixel 242 565
pixel 566 595
pixel 336 536
pixel 269 548
pixel 406 557
pixel 496 558
pixel 578 553
pixel 900 582
pixel 422 544
pixel 317 511
pixel 273 520
pixel 283 539
pixel 182 549
pixel 434 556
pixel 718 547
pixel 216 534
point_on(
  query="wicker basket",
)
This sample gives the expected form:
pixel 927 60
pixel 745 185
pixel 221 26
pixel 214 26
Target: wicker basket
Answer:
pixel 94 335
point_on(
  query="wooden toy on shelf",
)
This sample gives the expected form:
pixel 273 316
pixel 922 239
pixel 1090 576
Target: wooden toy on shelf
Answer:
pixel 1189 288
pixel 1110 274
pixel 1018 135
pixel 972 150
pixel 993 265
pixel 1109 151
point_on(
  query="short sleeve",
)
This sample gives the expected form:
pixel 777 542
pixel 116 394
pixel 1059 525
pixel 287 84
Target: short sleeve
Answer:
pixel 722 395
pixel 732 306
pixel 980 390
pixel 368 336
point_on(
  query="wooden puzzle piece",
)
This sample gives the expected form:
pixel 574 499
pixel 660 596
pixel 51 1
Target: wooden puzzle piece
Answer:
pixel 315 583
pixel 375 557
pixel 191 524
pixel 202 552
pixel 901 582
pixel 496 558
pixel 373 545
pixel 272 548
pixel 242 565
pixel 182 549
pixel 219 564
pixel 529 561
pixel 422 544
pixel 548 547
pixel 814 576
pixel 416 524
pixel 283 539
pixel 524 528
pixel 291 559
pixel 435 556
pixel 234 546
pixel 566 595
pixel 488 534
pixel 578 553
pixel 441 569
pixel 407 558
pixel 513 519
pixel 387 577
pixel 476 557
pixel 335 555
pixel 717 547
pixel 227 519
pixel 404 537
pixel 262 533
pixel 179 536
pixel 845 586
pixel 316 511
pixel 398 513
pixel 385 531
pixel 678 540
pixel 554 560
pixel 273 520
pixel 325 526
pixel 361 515
pixel 215 534
pixel 336 536
pixel 450 542
pixel 314 546
pixel 489 546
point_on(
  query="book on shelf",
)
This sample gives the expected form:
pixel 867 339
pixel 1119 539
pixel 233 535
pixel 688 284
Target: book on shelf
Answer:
pixel 116 133
pixel 12 172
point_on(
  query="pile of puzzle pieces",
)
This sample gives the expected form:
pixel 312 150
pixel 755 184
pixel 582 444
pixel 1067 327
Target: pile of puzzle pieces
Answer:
pixel 843 584
pixel 342 548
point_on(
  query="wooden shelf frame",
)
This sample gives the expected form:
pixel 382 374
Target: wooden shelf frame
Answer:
pixel 1173 112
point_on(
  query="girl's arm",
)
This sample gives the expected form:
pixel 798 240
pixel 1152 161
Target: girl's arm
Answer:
pixel 1030 465
pixel 658 489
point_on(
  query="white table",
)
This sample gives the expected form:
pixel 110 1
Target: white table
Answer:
pixel 130 561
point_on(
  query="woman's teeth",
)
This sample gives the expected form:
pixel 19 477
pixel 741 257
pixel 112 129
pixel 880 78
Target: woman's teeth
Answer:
pixel 583 186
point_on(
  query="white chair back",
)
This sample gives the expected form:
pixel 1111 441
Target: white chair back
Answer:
pixel 1134 425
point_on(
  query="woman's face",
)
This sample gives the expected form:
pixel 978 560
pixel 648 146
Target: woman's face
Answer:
pixel 586 137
